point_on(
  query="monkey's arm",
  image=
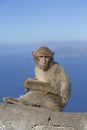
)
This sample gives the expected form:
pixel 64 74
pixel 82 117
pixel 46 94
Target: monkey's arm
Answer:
pixel 65 93
pixel 39 86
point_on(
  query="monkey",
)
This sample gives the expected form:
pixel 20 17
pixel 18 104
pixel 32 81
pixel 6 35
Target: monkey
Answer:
pixel 51 87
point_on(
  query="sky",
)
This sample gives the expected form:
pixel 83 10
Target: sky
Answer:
pixel 26 21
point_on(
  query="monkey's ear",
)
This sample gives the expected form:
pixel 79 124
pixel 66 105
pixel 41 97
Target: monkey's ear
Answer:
pixel 53 53
pixel 33 53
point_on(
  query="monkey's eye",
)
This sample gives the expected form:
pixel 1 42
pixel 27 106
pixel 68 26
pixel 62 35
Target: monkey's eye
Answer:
pixel 41 56
pixel 45 56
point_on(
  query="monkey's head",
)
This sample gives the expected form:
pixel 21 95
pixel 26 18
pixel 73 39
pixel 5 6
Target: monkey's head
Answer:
pixel 43 57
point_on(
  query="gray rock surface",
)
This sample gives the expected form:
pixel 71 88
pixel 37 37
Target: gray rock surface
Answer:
pixel 13 117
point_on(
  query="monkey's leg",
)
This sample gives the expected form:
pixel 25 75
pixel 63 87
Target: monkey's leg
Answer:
pixel 53 106
pixel 53 102
pixel 38 99
pixel 32 98
pixel 43 99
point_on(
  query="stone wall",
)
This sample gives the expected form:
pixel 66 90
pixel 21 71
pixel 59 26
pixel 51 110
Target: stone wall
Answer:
pixel 13 117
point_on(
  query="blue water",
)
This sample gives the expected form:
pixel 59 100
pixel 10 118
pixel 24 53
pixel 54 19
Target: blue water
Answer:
pixel 16 66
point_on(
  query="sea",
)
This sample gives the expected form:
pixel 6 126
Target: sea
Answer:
pixel 17 64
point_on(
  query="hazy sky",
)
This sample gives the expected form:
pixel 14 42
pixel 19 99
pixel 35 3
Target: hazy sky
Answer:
pixel 24 21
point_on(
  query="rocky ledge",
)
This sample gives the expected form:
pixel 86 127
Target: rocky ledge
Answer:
pixel 13 117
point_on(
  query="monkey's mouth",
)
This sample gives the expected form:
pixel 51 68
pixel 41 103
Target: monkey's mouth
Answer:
pixel 43 66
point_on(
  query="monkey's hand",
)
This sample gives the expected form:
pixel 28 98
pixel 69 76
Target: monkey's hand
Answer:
pixel 28 84
pixel 62 103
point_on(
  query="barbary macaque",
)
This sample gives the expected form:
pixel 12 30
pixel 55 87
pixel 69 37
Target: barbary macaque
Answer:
pixel 51 88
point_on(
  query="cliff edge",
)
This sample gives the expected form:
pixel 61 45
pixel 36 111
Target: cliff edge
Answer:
pixel 13 117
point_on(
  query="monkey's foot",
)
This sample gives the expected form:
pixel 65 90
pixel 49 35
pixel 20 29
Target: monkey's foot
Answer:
pixel 7 100
pixel 11 100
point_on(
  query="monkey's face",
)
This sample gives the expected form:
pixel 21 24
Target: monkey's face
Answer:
pixel 43 57
pixel 44 62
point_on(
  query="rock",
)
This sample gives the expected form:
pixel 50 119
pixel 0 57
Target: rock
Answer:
pixel 13 117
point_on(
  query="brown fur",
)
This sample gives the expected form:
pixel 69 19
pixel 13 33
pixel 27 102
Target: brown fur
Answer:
pixel 51 87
